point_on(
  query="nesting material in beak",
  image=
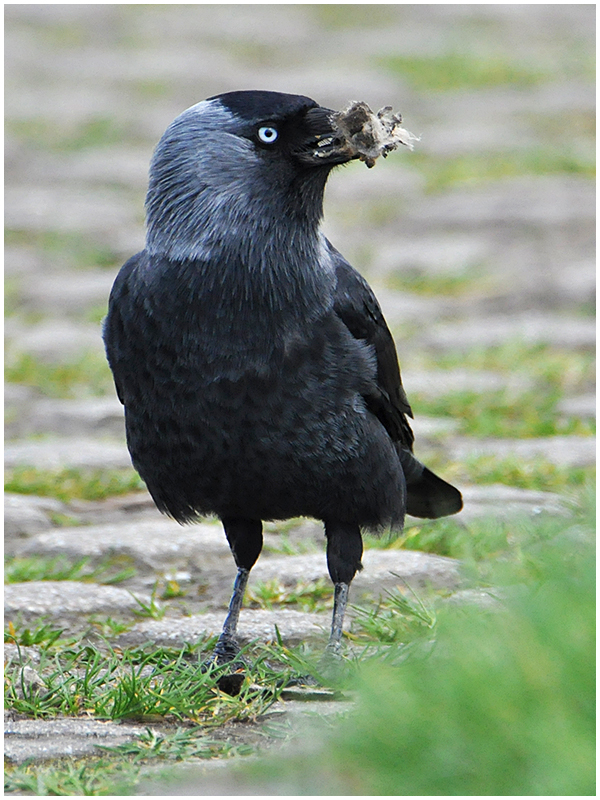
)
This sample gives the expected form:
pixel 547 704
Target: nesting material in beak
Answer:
pixel 368 135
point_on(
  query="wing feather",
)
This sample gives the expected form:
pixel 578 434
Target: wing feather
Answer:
pixel 358 308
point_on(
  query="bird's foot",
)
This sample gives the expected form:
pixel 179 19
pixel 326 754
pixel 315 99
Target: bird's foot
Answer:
pixel 332 664
pixel 228 653
pixel 333 650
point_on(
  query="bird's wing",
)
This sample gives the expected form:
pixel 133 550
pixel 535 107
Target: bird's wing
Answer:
pixel 357 307
pixel 113 332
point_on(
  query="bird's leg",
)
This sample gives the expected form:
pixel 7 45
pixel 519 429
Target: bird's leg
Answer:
pixel 340 601
pixel 344 552
pixel 227 647
pixel 245 540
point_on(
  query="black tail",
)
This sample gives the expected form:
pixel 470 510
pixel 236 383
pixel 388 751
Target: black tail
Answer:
pixel 427 495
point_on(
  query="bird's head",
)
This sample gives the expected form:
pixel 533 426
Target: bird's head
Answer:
pixel 286 129
pixel 243 158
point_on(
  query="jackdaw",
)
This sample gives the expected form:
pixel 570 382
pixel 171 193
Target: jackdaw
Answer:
pixel 258 376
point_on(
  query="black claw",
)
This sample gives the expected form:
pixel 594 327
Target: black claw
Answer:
pixel 231 684
pixel 227 653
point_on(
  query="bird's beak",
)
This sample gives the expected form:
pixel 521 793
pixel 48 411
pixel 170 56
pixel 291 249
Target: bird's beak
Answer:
pixel 321 143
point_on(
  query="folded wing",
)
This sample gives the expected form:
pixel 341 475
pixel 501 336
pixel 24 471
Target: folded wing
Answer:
pixel 356 305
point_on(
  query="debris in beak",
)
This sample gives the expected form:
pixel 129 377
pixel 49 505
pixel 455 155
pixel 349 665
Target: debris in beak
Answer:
pixel 367 135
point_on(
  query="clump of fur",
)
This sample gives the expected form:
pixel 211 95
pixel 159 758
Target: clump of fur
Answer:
pixel 368 135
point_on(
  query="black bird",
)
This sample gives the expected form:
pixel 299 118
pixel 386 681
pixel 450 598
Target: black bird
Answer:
pixel 259 378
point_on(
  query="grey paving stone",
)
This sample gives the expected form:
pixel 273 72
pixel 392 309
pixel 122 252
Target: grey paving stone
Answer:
pixel 363 184
pixel 54 340
pixel 583 406
pixel 57 453
pixel 38 208
pixel 127 167
pixel 102 416
pixel 440 254
pixel 499 500
pixel 400 308
pixel 432 428
pixel 535 327
pixel 158 544
pixel 41 740
pixel 578 283
pixel 21 655
pixel 255 623
pixel 512 202
pixel 436 383
pixel 383 569
pixel 502 273
pixel 566 451
pixel 125 508
pixel 16 396
pixel 66 293
pixel 478 124
pixel 65 599
pixel 24 261
pixel 26 515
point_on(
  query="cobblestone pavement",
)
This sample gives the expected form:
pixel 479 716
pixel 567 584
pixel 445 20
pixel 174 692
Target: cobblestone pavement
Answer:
pixel 90 89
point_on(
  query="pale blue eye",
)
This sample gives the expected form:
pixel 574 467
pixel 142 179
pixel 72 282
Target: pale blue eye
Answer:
pixel 268 134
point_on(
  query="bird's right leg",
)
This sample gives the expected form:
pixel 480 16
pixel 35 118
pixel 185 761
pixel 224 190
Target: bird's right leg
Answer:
pixel 245 540
pixel 344 553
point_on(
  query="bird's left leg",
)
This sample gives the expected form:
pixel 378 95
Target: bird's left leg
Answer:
pixel 245 540
pixel 344 552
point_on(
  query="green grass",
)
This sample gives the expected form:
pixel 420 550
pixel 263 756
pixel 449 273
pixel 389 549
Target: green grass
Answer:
pixel 451 699
pixel 44 635
pixel 152 609
pixel 75 777
pixel 462 283
pixel 96 314
pixel 549 374
pixel 461 71
pixel 71 483
pixel 107 774
pixel 505 414
pixel 151 88
pixel 343 16
pixel 493 702
pixel 87 375
pixel 534 473
pixel 136 685
pixel 582 125
pixel 19 569
pixel 66 248
pixel 108 627
pixel 397 618
pixel 183 743
pixel 476 168
pixel 285 543
pixel 486 539
pixel 12 295
pixel 309 596
pixel 568 369
pixel 44 134
pixel 503 706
